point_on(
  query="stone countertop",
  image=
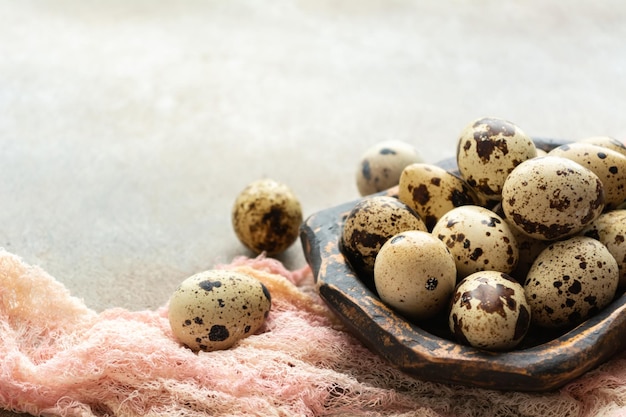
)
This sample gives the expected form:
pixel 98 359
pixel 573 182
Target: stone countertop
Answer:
pixel 128 128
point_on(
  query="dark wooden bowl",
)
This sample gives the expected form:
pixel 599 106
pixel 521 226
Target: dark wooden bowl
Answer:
pixel 543 362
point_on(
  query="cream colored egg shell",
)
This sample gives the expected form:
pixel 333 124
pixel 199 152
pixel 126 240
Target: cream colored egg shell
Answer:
pixel 570 281
pixel 432 191
pixel 488 150
pixel 608 165
pixel 606 142
pixel 382 164
pixel 266 217
pixel 478 239
pixel 415 274
pixel 489 311
pixel 369 224
pixel 610 230
pixel 213 310
pixel 551 197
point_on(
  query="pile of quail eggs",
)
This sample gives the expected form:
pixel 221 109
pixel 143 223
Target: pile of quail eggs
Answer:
pixel 511 237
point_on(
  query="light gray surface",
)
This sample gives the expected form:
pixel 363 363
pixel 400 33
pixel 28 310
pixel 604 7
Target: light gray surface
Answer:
pixel 128 128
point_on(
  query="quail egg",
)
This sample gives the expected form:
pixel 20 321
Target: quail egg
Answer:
pixel 488 150
pixel 570 281
pixel 551 197
pixel 370 223
pixel 415 274
pixel 382 164
pixel 432 191
pixel 489 311
pixel 607 164
pixel 606 142
pixel 214 309
pixel 478 239
pixel 610 230
pixel 266 217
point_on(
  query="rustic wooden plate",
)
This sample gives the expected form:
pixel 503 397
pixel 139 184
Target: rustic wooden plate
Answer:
pixel 543 362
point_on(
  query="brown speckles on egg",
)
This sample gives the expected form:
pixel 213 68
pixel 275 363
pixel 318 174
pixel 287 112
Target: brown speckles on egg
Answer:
pixel 523 322
pixel 266 217
pixel 569 281
pixel 218 333
pixel 551 197
pixel 207 285
pixel 432 191
pixel 609 165
pixel 488 150
pixel 478 239
pixel 370 223
pixel 610 229
pixel 420 193
pixel 214 309
pixel 540 230
pixel 493 298
pixel 381 165
pixel 489 310
pixel 606 142
pixel 486 147
pixel 431 283
pixel 461 197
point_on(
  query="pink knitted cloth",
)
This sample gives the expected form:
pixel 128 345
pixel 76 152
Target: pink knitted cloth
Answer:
pixel 61 358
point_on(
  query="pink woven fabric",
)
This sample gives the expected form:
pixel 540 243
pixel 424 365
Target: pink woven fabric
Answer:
pixel 61 358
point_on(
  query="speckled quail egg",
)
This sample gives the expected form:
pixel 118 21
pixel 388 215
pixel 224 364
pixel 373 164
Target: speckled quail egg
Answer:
pixel 488 150
pixel 478 239
pixel 551 197
pixel 606 142
pixel 370 223
pixel 432 191
pixel 570 281
pixel 382 164
pixel 266 217
pixel 214 309
pixel 415 274
pixel 610 230
pixel 489 311
pixel 608 165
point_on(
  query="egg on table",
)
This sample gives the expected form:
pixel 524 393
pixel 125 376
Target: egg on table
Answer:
pixel 570 281
pixel 489 311
pixel 478 239
pixel 214 309
pixel 369 224
pixel 551 197
pixel 266 217
pixel 488 149
pixel 415 274
pixel 381 165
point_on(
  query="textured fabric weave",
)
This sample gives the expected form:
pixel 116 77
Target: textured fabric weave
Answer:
pixel 61 358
